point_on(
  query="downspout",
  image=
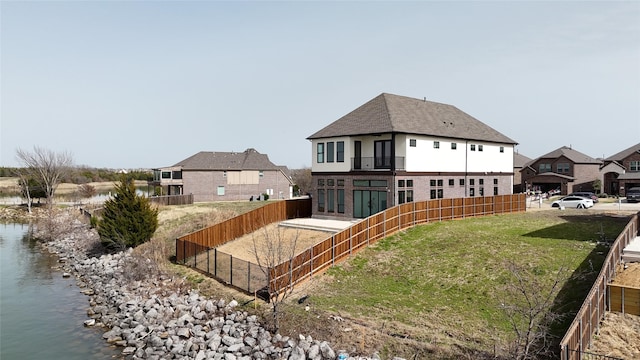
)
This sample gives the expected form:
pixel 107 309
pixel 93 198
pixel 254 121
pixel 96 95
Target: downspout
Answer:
pixel 466 155
pixel 393 168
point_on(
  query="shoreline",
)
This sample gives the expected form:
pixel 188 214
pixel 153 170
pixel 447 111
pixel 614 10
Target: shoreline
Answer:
pixel 160 318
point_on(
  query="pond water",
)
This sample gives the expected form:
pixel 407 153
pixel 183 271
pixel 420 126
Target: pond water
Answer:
pixel 42 314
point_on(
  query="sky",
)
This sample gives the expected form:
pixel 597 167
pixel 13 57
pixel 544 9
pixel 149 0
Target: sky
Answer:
pixel 146 84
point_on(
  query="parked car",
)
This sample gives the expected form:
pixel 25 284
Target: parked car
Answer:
pixel 633 194
pixel 586 194
pixel 577 202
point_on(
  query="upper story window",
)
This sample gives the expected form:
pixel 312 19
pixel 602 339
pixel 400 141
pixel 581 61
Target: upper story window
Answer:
pixel 473 147
pixel 340 151
pixel 330 151
pixel 320 152
pixel 479 147
pixel 542 168
pixel 436 144
pixel 501 149
pixel 634 166
pixel 166 174
pixel 562 168
pixel 382 153
pixel 224 174
pixel 454 146
pixel 261 173
pixel 412 142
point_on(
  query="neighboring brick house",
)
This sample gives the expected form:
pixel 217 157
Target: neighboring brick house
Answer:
pixel 563 169
pixel 219 176
pixel 621 171
pixel 396 149
pixel 519 162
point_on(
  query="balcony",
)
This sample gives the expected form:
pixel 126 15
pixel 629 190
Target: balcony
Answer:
pixel 376 163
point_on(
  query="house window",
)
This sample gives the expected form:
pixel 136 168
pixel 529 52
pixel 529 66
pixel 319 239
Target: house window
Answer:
pixel 224 174
pixel 432 183
pixel 330 151
pixel 436 144
pixel 440 193
pixel 321 182
pixel 454 146
pixel 320 151
pixel 473 147
pixel 401 197
pixel 412 142
pixel 400 183
pixel 330 201
pixel 341 201
pixel 320 200
pixel 472 192
pixel 409 183
pixel 409 195
pixel 495 181
pixel 634 165
pixel 501 149
pixel 340 151
pixel 481 181
pixel 543 168
pixel 472 182
pixel 382 153
pixel 562 168
pixel 451 182
pixel 461 182
pixel 166 174
pixel 479 147
pixel 432 194
pixel 220 190
pixel 177 175
pixel 495 190
pixel 440 182
pixel 340 182
pixel 481 191
pixel 330 182
pixel 261 173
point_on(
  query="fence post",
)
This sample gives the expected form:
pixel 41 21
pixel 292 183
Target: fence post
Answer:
pixel 230 269
pixel 215 262
pixel 177 260
pixel 333 250
pixel 248 276
pixel 184 252
pixel 208 249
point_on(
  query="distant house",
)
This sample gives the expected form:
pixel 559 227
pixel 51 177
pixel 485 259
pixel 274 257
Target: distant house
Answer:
pixel 621 171
pixel 519 162
pixel 563 169
pixel 396 149
pixel 219 176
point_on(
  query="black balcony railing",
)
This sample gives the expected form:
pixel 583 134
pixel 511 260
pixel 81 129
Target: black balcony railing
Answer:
pixel 376 163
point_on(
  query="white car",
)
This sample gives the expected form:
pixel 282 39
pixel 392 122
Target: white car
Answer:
pixel 576 202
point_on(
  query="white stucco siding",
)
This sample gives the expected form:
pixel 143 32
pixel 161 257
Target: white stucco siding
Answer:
pixel 490 159
pixel 334 166
pixel 426 157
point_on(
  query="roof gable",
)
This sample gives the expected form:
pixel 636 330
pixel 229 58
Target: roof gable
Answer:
pixel 392 113
pixel 250 159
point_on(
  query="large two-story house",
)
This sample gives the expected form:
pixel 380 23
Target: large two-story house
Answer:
pixel 563 169
pixel 621 171
pixel 219 176
pixel 396 149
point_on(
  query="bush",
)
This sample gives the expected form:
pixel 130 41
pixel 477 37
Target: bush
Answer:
pixel 128 219
pixel 265 196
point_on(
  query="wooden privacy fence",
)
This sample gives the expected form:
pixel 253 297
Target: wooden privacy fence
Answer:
pixel 587 321
pixel 624 299
pixel 341 245
pixel 172 199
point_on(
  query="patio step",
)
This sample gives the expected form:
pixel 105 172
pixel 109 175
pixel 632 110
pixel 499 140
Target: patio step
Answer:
pixel 631 253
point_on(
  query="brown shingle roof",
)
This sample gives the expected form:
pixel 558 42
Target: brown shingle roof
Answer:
pixel 520 160
pixel 624 153
pixel 250 159
pixel 571 154
pixel 393 113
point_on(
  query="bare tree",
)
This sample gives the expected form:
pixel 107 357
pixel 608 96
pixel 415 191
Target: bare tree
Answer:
pixel 302 179
pixel 529 307
pixel 46 167
pixel 271 250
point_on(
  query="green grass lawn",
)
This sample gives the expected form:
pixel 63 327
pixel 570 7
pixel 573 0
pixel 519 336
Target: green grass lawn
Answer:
pixel 444 282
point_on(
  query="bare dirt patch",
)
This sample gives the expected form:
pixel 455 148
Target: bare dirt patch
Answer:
pixel 619 336
pixel 243 247
pixel 629 276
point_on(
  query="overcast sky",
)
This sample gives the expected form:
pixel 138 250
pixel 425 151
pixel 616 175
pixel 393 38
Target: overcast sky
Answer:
pixel 145 84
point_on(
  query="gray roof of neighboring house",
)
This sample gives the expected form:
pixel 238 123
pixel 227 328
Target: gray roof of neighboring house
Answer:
pixel 392 113
pixel 624 153
pixel 520 160
pixel 250 159
pixel 573 155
